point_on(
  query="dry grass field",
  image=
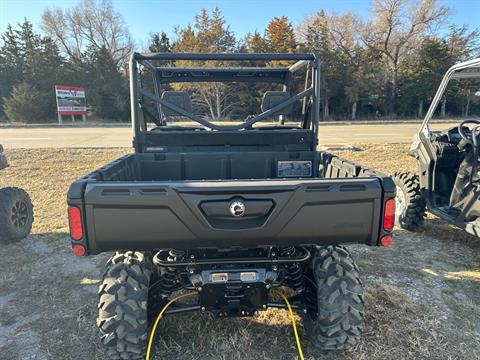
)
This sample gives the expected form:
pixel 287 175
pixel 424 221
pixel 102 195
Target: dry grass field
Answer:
pixel 422 293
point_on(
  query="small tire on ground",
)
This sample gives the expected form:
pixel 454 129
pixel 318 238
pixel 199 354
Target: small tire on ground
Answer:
pixel 410 213
pixel 339 323
pixel 123 305
pixel 16 214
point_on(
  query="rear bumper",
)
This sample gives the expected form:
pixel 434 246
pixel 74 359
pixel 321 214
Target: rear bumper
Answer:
pixel 195 214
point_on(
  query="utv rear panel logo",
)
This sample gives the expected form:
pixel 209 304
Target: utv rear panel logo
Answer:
pixel 237 208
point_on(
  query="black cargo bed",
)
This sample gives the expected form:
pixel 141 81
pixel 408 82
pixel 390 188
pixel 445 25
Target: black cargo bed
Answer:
pixel 127 204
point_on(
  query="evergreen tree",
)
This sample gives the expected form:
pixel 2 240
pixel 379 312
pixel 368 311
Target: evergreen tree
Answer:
pixel 318 41
pixel 280 35
pixel 187 40
pixel 255 43
pixel 213 33
pixel 159 43
pixel 11 63
pixel 420 76
pixel 27 58
pixel 108 94
pixel 26 103
pixel 210 34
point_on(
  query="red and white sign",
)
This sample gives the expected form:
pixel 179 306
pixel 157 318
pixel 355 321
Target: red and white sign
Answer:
pixel 70 100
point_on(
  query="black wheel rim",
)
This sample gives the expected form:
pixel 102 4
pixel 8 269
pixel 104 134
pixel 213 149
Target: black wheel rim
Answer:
pixel 19 215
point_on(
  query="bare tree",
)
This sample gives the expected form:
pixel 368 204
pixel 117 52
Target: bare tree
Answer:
pixel 462 43
pixel 344 33
pixel 90 24
pixel 397 29
pixel 217 98
pixel 313 34
pixel 347 64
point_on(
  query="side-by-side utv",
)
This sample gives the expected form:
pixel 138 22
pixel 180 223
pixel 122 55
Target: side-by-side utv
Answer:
pixel 448 180
pixel 231 211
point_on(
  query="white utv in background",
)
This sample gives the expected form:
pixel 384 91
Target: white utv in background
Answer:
pixel 448 180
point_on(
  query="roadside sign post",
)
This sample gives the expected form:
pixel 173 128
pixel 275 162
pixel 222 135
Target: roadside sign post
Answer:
pixel 70 101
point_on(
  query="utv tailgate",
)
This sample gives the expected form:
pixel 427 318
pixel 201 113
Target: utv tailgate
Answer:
pixel 193 214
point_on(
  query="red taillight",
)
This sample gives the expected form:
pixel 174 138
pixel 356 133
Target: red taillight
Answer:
pixel 389 215
pixel 78 250
pixel 386 240
pixel 75 222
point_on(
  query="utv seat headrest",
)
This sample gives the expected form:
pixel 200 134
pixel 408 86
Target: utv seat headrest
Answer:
pixel 274 98
pixel 178 98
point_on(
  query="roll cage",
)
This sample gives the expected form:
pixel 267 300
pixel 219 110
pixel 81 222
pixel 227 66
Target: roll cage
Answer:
pixel 439 162
pixel 162 75
pixel 464 70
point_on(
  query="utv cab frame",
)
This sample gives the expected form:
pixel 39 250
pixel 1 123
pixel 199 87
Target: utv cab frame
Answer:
pixel 447 184
pixel 275 103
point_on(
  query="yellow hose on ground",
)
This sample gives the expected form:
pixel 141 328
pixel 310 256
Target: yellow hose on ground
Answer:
pixel 294 325
pixel 154 328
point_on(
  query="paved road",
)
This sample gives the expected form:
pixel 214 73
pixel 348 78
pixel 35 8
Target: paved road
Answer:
pixel 40 137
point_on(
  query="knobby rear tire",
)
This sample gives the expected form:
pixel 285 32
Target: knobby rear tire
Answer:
pixel 412 215
pixel 12 228
pixel 339 323
pixel 123 305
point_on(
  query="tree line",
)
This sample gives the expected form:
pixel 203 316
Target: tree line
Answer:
pixel 386 66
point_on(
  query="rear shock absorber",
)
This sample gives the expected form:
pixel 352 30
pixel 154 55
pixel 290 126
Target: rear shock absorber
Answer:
pixel 294 277
pixel 168 275
pixel 176 255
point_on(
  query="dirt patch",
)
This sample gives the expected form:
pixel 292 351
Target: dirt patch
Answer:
pixel 423 293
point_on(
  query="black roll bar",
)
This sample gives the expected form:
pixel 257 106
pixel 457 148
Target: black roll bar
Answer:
pixel 223 56
pixel 248 122
pixel 242 74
